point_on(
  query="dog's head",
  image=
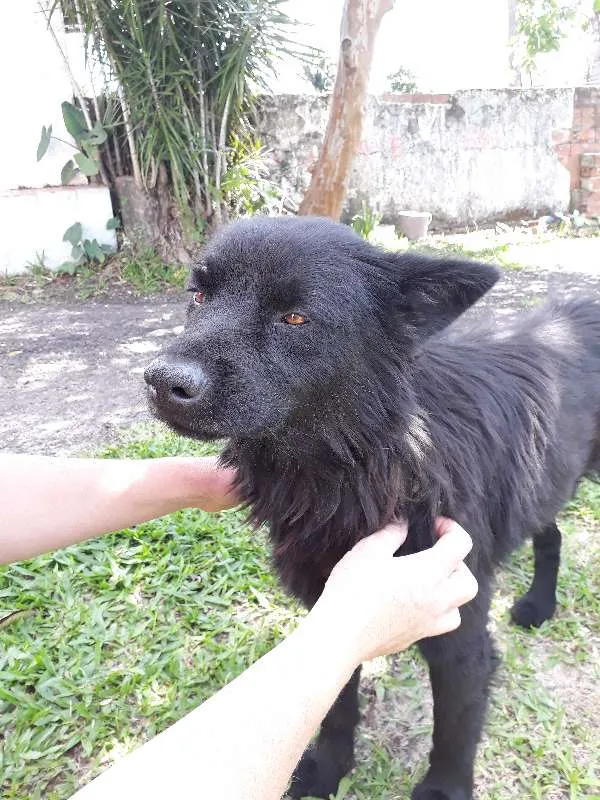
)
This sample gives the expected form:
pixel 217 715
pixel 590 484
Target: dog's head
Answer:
pixel 287 315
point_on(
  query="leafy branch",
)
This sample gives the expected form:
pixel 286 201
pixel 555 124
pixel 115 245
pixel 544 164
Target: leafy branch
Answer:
pixel 86 160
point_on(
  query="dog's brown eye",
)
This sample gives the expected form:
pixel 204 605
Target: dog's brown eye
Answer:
pixel 294 319
pixel 198 298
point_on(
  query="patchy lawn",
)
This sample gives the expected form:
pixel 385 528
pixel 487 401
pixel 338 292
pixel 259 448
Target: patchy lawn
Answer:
pixel 128 274
pixel 116 639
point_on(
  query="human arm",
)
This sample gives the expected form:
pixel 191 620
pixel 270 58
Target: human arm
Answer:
pixel 244 742
pixel 46 503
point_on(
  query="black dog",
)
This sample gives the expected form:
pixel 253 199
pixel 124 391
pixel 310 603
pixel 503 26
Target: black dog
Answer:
pixel 347 402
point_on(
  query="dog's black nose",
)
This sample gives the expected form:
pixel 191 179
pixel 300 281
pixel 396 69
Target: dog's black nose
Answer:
pixel 176 380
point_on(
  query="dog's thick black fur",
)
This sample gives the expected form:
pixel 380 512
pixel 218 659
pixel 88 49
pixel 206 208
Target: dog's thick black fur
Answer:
pixel 375 408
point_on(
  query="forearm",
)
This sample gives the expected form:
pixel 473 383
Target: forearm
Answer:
pixel 244 742
pixel 277 705
pixel 47 503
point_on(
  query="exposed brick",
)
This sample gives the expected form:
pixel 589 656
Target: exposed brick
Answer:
pixel 593 206
pixel 563 151
pixel 591 184
pixel 584 136
pixel 582 117
pixel 573 166
pixel 590 160
pixel 589 172
pixel 579 199
pixel 577 148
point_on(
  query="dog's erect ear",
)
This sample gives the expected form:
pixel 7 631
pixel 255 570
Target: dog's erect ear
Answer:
pixel 433 292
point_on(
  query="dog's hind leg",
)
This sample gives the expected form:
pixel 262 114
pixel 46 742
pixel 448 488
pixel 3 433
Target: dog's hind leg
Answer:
pixel 326 762
pixel 539 603
pixel 461 665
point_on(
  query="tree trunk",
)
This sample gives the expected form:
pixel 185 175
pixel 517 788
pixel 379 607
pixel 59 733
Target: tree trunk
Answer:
pixel 327 190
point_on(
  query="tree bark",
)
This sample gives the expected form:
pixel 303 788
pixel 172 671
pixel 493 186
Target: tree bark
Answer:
pixel 329 181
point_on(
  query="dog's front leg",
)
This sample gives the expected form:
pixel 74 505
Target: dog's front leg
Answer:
pixel 461 665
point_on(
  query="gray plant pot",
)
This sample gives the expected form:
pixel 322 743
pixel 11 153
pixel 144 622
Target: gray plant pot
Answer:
pixel 413 224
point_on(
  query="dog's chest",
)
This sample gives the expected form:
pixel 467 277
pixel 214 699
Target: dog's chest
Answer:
pixel 316 516
pixel 304 557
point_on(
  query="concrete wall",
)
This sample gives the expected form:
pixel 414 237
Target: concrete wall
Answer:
pixel 34 84
pixel 34 220
pixel 33 217
pixel 467 158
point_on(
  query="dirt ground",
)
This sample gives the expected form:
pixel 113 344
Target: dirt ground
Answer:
pixel 71 373
pixel 71 370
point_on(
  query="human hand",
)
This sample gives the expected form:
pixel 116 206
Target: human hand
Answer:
pixel 206 484
pixel 376 604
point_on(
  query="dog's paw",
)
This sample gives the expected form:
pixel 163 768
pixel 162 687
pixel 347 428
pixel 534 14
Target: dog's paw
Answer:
pixel 425 791
pixel 309 780
pixel 531 611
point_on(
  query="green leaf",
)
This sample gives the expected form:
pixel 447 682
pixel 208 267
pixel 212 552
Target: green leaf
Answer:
pixel 44 141
pixel 97 135
pixel 86 164
pixel 343 788
pixel 73 234
pixel 596 6
pixel 68 172
pixel 67 268
pixel 91 150
pixel 93 250
pixel 113 223
pixel 77 252
pixel 74 121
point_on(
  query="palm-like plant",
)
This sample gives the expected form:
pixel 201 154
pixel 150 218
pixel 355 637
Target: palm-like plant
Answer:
pixel 186 73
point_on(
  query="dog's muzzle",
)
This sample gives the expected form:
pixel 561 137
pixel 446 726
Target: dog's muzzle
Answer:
pixel 175 382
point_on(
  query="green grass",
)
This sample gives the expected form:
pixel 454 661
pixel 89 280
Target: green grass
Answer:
pixel 139 270
pixel 116 639
pixel 147 273
pixel 495 254
pixel 122 636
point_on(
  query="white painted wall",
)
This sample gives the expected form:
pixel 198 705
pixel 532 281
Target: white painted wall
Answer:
pixel 34 84
pixel 34 221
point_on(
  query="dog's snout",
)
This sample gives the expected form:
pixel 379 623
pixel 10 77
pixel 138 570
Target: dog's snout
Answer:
pixel 178 381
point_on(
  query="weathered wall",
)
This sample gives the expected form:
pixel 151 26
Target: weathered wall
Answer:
pixel 467 158
pixel 34 220
pixel 579 150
